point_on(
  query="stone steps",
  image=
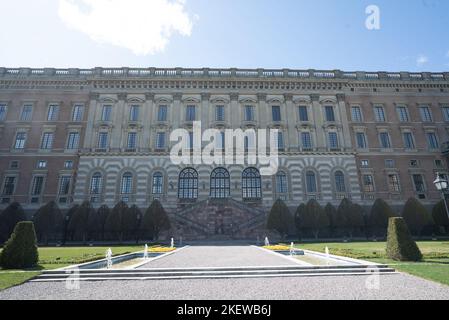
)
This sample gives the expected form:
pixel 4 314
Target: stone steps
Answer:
pixel 212 273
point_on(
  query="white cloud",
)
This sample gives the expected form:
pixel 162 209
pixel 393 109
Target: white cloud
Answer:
pixel 143 26
pixel 421 60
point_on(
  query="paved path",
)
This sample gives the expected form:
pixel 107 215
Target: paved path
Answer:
pixel 398 286
pixel 210 256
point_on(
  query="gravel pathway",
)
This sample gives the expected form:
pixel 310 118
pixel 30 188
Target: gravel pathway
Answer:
pixel 398 286
pixel 204 256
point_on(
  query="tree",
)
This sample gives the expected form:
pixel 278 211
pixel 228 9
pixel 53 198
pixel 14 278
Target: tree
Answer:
pixel 114 221
pixel 342 218
pixel 20 251
pixel 78 224
pixel 155 220
pixel 400 245
pixel 93 224
pixel 103 213
pixel 279 218
pixel 299 214
pixel 48 221
pixel 380 214
pixel 356 219
pixel 440 215
pixel 9 218
pixel 331 213
pixel 416 216
pixel 131 221
pixel 67 218
pixel 314 218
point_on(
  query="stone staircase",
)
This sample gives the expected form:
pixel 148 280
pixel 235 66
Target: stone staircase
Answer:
pixel 219 219
pixel 213 273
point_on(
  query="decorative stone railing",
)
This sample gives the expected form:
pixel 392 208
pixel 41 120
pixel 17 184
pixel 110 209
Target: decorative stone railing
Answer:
pixel 98 73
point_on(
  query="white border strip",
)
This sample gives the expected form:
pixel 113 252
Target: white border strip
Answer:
pixel 296 261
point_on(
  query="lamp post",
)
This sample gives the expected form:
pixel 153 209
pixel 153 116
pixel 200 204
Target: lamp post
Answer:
pixel 441 185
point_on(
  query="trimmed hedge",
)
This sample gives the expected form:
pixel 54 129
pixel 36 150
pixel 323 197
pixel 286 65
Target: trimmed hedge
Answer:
pixel 20 251
pixel 400 245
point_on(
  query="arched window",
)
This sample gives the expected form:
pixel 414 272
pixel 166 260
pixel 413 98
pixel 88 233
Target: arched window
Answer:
pixel 340 182
pixel 96 184
pixel 188 184
pixel 251 184
pixel 281 183
pixel 311 182
pixel 220 185
pixel 158 184
pixel 126 186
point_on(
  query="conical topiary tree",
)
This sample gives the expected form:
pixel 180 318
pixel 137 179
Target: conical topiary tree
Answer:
pixel 342 218
pixel 331 213
pixel 380 213
pixel 114 222
pixel 68 216
pixel 48 221
pixel 440 216
pixel 155 221
pixel 93 224
pixel 313 218
pixel 400 245
pixel 78 224
pixel 299 215
pixel 20 251
pixel 416 216
pixel 131 221
pixel 9 218
pixel 279 218
pixel 356 219
pixel 103 213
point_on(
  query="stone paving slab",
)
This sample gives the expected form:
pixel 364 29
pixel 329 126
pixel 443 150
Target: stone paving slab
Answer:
pixel 397 287
pixel 223 256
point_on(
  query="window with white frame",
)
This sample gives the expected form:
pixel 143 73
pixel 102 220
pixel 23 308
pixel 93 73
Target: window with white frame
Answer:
pixel 446 113
pixel 249 113
pixel 276 113
pixel 53 112
pixel 329 113
pixel 73 140
pixel 158 184
pixel 134 113
pixel 368 183
pixel 96 185
pixel 41 164
pixel 37 186
pixel 9 186
pixel 409 142
pixel 78 113
pixel 162 113
pixel 132 140
pixel 160 140
pixel 418 182
pixel 68 164
pixel 280 141
pixel 306 141
pixel 379 114
pixel 64 185
pixel 426 114
pixel 432 141
pixel 403 114
pixel 356 113
pixel 393 183
pixel 19 143
pixel 303 114
pixel 27 113
pixel 311 185
pixel 3 111
pixel 361 140
pixel 385 142
pixel 333 140
pixel 219 113
pixel 191 113
pixel 106 113
pixel 126 186
pixel 47 140
pixel 103 140
pixel 281 183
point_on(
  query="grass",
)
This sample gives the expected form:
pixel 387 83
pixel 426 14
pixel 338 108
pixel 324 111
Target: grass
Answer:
pixel 435 264
pixel 59 257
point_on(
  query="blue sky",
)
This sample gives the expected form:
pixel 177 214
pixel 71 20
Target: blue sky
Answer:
pixel 320 34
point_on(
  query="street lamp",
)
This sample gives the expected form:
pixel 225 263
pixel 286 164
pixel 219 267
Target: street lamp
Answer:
pixel 441 185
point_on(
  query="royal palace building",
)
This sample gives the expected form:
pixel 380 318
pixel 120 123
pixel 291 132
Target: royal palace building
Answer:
pixel 103 135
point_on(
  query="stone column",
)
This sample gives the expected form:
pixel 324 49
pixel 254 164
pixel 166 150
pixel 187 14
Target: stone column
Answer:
pixel 320 141
pixel 89 138
pixel 292 141
pixel 235 113
pixel 344 121
pixel 148 121
pixel 263 111
pixel 119 116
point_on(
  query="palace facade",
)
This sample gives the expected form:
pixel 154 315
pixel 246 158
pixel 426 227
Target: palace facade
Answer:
pixel 103 135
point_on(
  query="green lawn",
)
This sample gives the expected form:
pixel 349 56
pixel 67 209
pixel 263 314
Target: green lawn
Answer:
pixel 435 265
pixel 59 257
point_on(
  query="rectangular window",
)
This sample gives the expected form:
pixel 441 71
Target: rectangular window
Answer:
pixel 379 114
pixel 333 140
pixel 393 183
pixel 42 164
pixel 356 114
pixel 134 113
pixel 249 113
pixel 219 113
pixel 68 164
pixel 409 142
pixel 103 140
pixel 330 115
pixel 446 113
pixel 368 183
pixel 191 113
pixel 364 163
pixel 64 185
pixel 3 111
pixel 20 140
pixel 219 141
pixel 27 113
pixel 306 141
pixel 36 188
pixel 385 140
pixel 53 112
pixel 276 113
pixel 14 165
pixel 361 140
pixel 47 141
pixel 418 181
pixel 77 113
pixel 73 141
pixel 9 186
pixel 132 140
pixel 403 114
pixel 106 113
pixel 280 141
pixel 426 115
pixel 432 141
pixel 389 163
pixel 303 114
pixel 160 140
pixel 162 113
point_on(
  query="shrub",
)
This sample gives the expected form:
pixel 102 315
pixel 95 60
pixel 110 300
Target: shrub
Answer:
pixel 78 224
pixel 342 217
pixel 67 218
pixel 20 251
pixel 440 215
pixel 131 221
pixel 279 218
pixel 380 214
pixel 416 216
pixel 93 224
pixel 155 220
pixel 300 211
pixel 48 221
pixel 313 218
pixel 114 221
pixel 356 219
pixel 331 213
pixel 400 245
pixel 9 218
pixel 103 213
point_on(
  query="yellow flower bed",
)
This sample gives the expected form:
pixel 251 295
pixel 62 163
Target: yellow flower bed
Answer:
pixel 161 249
pixel 277 248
